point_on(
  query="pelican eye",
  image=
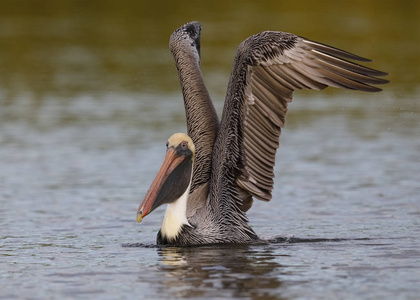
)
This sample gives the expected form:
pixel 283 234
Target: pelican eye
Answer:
pixel 167 144
pixel 184 145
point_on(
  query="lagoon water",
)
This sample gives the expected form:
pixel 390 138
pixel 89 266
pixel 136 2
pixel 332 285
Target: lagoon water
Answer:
pixel 88 97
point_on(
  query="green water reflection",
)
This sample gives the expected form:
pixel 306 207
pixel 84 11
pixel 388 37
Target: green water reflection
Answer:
pixel 70 48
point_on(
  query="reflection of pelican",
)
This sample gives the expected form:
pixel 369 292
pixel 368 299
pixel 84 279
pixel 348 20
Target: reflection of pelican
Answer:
pixel 224 270
pixel 209 177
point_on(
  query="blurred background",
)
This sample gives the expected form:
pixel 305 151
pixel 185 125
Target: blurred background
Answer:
pixel 65 49
pixel 98 74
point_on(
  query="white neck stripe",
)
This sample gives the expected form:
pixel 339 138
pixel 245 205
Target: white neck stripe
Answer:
pixel 175 216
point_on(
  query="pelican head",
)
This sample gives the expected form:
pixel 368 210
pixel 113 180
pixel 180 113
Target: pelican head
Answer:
pixel 173 179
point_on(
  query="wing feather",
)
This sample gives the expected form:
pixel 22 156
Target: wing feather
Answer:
pixel 268 67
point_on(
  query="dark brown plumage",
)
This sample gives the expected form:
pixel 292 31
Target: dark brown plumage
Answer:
pixel 234 159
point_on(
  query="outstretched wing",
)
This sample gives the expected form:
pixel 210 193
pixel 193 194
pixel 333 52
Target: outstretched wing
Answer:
pixel 267 68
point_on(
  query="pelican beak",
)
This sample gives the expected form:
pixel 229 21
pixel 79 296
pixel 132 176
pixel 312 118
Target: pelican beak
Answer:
pixel 166 186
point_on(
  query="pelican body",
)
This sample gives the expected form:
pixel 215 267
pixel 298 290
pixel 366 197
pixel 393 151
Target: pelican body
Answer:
pixel 211 175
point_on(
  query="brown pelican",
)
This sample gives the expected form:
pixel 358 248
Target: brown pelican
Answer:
pixel 210 176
